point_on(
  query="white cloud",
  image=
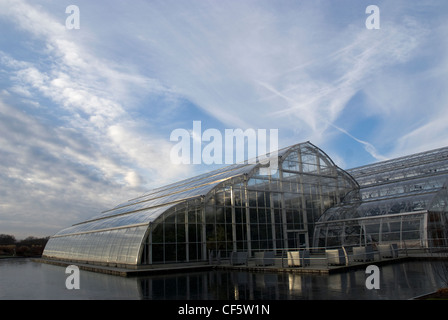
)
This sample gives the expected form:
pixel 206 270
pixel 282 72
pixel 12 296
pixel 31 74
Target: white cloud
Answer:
pixel 74 168
pixel 248 64
pixel 90 89
pixel 273 68
pixel 45 178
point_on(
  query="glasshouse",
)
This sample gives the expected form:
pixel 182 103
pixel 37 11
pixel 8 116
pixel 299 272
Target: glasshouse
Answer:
pixel 308 203
pixel 403 201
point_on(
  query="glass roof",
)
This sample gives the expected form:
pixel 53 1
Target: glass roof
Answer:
pixel 118 221
pixel 147 207
pixel 432 162
pixel 409 184
pixel 185 190
pixel 400 185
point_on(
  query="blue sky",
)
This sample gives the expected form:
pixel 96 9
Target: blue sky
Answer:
pixel 86 114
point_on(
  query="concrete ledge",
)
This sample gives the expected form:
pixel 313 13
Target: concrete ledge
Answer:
pixel 126 272
pixel 319 266
pixel 314 269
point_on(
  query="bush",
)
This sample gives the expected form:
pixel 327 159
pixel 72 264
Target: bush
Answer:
pixel 7 250
pixel 31 246
pixel 23 251
pixel 7 239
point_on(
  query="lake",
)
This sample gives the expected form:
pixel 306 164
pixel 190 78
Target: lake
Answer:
pixel 24 279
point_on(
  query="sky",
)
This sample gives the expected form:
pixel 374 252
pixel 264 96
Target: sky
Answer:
pixel 86 111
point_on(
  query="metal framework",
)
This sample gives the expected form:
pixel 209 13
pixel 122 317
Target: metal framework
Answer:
pixel 403 200
pixel 308 203
pixel 235 208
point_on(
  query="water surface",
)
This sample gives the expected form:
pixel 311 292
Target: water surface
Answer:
pixel 25 279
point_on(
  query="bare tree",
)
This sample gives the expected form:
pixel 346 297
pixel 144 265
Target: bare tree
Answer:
pixel 7 239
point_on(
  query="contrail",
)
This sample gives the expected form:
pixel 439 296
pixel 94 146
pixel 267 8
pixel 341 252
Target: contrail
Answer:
pixel 367 146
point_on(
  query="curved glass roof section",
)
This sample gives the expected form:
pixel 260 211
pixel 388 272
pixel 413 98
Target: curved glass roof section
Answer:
pixel 115 235
pixel 149 206
pixel 405 184
pixel 126 225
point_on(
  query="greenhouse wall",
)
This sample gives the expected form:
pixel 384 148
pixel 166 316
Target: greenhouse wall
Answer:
pixel 402 200
pixel 252 212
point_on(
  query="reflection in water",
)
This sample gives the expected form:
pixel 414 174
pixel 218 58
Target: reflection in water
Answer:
pixel 398 281
pixel 24 279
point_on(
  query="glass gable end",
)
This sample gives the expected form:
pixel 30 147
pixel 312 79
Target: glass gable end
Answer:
pixel 252 212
